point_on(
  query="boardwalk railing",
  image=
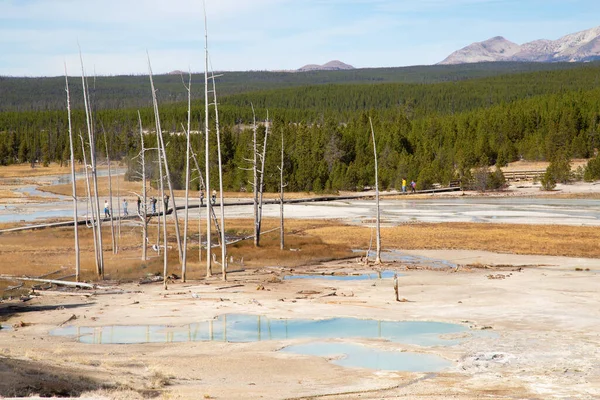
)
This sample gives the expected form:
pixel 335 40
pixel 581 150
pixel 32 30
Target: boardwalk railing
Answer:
pixel 523 175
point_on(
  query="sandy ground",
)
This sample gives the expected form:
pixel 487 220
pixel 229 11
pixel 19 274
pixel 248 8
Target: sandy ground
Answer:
pixel 545 341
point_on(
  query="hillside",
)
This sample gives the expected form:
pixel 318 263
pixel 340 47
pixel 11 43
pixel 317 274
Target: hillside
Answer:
pixel 30 94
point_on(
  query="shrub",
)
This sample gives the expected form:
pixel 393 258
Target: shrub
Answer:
pixel 592 169
pixel 548 182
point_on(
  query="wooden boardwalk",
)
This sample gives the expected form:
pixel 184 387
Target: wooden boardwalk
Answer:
pixel 233 204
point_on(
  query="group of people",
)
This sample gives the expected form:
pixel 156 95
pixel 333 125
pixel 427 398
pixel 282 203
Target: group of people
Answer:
pixel 153 201
pixel 213 198
pixel 413 186
pixel 107 211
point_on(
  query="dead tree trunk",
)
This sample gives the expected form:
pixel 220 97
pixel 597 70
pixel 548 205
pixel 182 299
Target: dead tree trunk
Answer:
pixel 207 153
pixel 378 223
pixel 262 180
pixel 110 196
pixel 187 178
pixel 281 186
pixel 255 178
pixel 160 164
pixel 142 209
pixel 96 203
pixel 90 203
pixel 73 183
pixel 221 197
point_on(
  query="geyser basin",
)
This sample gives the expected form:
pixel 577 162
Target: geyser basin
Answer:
pixel 355 355
pixel 252 328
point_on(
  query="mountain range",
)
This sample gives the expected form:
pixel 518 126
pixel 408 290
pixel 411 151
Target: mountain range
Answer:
pixel 576 47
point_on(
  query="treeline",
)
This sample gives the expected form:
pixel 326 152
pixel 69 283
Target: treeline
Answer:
pixel 430 133
pixel 133 91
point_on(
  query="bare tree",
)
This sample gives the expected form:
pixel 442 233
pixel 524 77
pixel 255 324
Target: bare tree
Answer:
pixel 281 187
pixel 161 155
pixel 96 203
pixel 378 224
pixel 93 220
pixel 207 151
pixel 221 198
pixel 143 212
pixel 263 158
pixel 110 196
pixel 73 183
pixel 255 178
pixel 187 176
pixel 257 185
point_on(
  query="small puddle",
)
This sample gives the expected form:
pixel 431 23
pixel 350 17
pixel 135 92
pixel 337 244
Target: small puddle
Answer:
pixel 399 256
pixel 252 328
pixel 359 277
pixel 355 355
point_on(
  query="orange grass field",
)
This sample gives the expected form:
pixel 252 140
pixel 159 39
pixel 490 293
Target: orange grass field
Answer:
pixel 43 251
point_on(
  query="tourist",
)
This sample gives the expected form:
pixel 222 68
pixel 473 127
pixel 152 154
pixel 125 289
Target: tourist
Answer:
pixel 201 198
pixel 403 185
pixel 166 202
pixel 125 212
pixel 413 187
pixel 106 209
pixel 139 204
pixel 214 196
pixel 153 202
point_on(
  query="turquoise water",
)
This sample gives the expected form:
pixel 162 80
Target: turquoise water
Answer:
pixel 361 277
pixel 252 328
pixel 355 355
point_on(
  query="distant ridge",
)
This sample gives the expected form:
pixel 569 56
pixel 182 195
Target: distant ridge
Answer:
pixel 334 65
pixel 576 47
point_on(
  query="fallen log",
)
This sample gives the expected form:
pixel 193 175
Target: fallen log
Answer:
pixel 53 281
pixel 229 287
pixel 59 293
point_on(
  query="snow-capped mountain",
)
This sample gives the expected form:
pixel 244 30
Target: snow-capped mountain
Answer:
pixel 576 47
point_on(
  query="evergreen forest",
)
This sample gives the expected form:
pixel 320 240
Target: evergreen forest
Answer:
pixel 432 124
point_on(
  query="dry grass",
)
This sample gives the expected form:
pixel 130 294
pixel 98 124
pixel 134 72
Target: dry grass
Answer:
pixel 25 170
pixel 539 165
pixel 43 251
pixel 555 240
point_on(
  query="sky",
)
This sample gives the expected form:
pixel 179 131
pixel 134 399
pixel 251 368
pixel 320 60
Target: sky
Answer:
pixel 37 37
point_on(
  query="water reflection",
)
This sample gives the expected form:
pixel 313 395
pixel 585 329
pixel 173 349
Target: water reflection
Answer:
pixel 252 328
pixel 360 277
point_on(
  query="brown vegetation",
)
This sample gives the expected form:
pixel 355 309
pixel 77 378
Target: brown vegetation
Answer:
pixel 555 240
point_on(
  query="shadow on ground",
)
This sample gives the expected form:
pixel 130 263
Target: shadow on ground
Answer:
pixel 25 378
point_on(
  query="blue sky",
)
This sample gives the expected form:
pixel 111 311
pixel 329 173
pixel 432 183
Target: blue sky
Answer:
pixel 36 36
